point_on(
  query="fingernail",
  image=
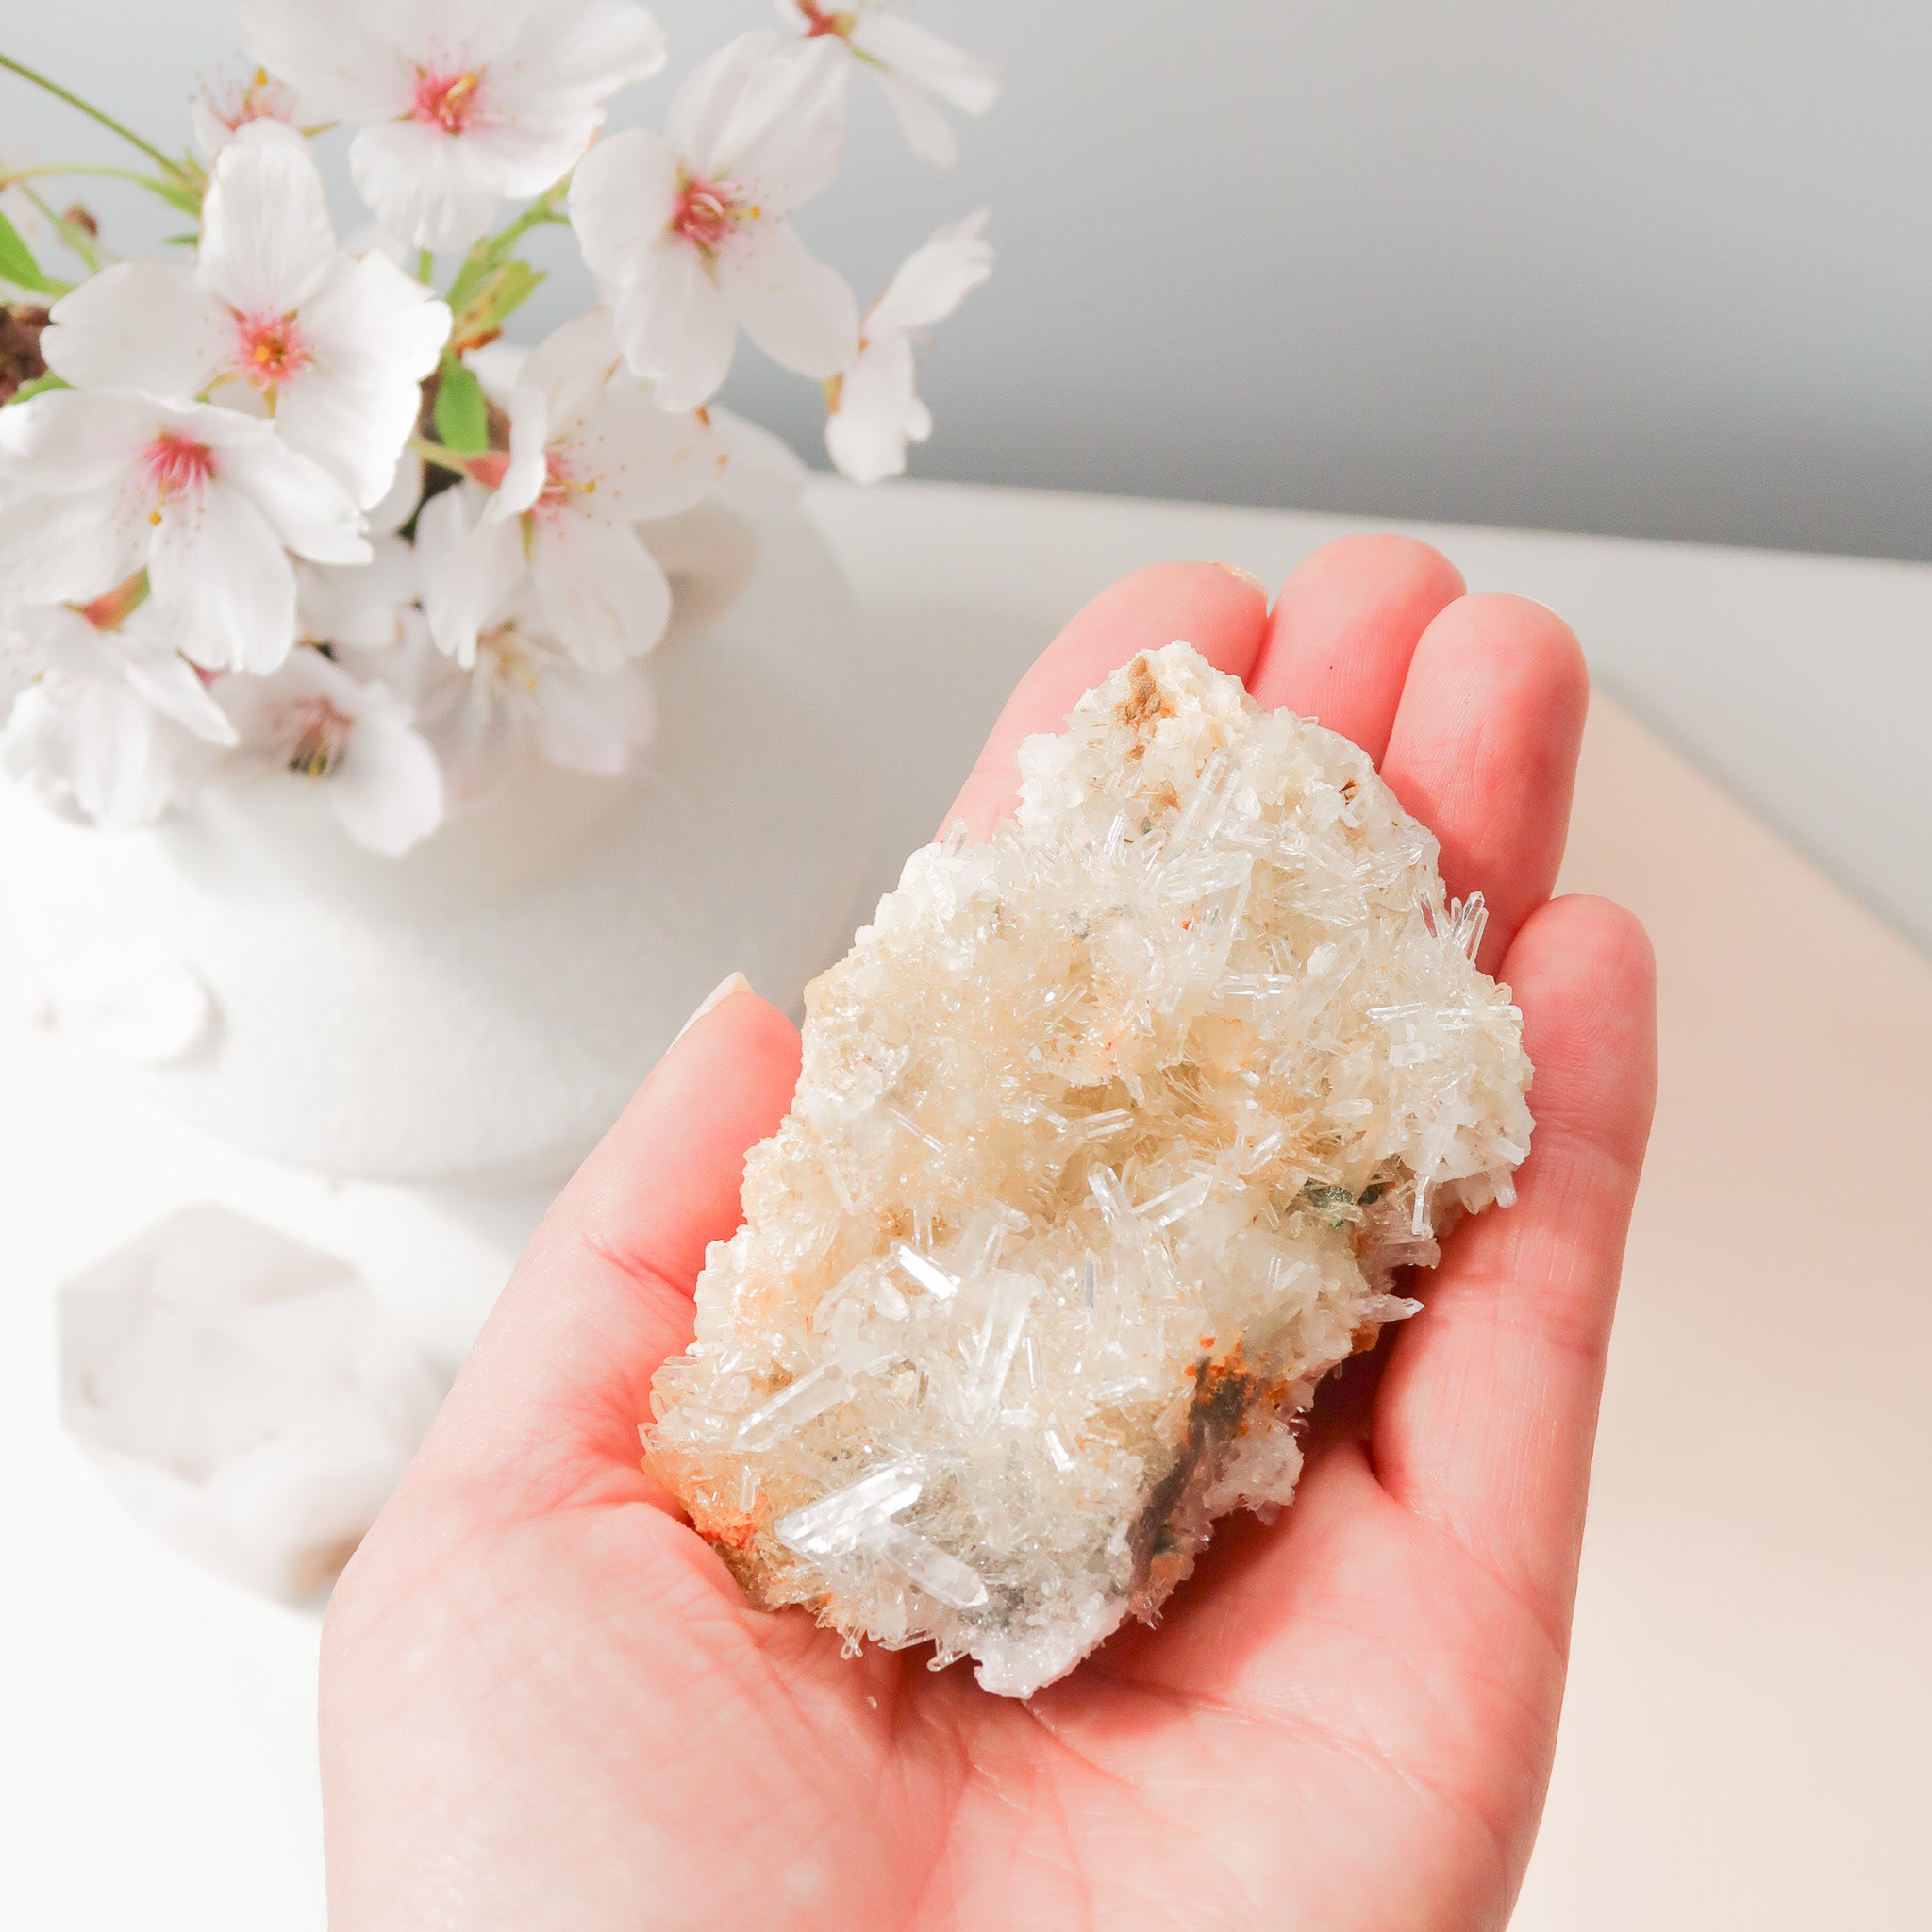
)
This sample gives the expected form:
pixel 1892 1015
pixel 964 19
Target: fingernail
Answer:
pixel 1247 577
pixel 735 982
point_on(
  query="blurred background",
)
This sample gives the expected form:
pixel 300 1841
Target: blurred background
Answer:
pixel 1659 268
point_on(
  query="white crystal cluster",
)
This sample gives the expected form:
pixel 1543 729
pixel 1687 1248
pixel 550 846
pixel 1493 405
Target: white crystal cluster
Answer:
pixel 1111 1136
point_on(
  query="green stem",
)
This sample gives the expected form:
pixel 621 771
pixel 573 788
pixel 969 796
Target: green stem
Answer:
pixel 541 210
pixel 425 267
pixel 12 174
pixel 77 237
pixel 493 248
pixel 93 113
pixel 168 190
pixel 442 458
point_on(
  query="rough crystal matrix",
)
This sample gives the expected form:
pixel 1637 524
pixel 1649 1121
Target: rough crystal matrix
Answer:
pixel 1110 1138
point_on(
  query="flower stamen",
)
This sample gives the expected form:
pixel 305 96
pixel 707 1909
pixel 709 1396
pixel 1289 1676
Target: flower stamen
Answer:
pixel 503 658
pixel 260 98
pixel 318 735
pixel 560 485
pixel 270 349
pixel 173 465
pixel 705 210
pixel 444 101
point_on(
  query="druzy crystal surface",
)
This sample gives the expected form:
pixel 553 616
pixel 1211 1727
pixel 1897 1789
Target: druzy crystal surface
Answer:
pixel 1111 1138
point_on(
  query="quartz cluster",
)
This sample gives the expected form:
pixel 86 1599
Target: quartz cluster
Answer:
pixel 1112 1135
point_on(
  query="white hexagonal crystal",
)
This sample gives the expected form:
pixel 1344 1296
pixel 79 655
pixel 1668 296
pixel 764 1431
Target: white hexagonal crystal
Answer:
pixel 1111 1135
pixel 244 1394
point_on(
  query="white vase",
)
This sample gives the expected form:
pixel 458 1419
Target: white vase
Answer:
pixel 488 1003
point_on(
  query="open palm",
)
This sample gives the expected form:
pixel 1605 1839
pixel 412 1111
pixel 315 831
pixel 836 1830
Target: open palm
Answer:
pixel 545 1702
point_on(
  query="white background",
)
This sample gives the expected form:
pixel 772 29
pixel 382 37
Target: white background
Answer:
pixel 1658 267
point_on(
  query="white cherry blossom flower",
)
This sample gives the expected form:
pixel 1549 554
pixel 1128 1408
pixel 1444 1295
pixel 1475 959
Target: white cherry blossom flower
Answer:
pixel 527 698
pixel 875 410
pixel 115 720
pixel 363 606
pixel 23 652
pixel 358 736
pixel 592 455
pixel 220 109
pixel 688 229
pixel 209 502
pixel 523 697
pixel 920 74
pixel 272 316
pixel 472 100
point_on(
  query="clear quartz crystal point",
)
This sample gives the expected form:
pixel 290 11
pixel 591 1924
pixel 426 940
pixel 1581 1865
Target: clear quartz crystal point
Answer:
pixel 927 1273
pixel 941 1576
pixel 1111 1137
pixel 847 1517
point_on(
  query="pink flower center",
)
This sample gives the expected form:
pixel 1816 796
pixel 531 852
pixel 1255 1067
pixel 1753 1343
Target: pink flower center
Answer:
pixel 173 465
pixel 705 210
pixel 560 485
pixel 445 100
pixel 505 664
pixel 260 98
pixel 270 349
pixel 317 735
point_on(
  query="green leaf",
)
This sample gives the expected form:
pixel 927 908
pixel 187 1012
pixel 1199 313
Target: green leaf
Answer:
pixel 17 263
pixel 38 386
pixel 497 296
pixel 462 415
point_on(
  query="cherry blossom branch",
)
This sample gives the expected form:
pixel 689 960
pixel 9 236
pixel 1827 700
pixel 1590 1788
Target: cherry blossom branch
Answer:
pixel 492 249
pixel 170 191
pixel 60 168
pixel 485 466
pixel 93 113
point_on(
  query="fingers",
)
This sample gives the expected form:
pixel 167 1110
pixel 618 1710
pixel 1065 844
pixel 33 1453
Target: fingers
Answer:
pixel 1218 609
pixel 663 1183
pixel 1472 707
pixel 561 1372
pixel 1486 1411
pixel 1344 628
pixel 1483 751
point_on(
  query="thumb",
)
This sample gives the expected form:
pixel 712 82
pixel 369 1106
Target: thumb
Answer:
pixel 551 1396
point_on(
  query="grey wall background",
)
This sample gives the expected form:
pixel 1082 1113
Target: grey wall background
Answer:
pixel 1650 267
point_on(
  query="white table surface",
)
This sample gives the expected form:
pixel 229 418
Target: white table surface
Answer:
pixel 1751 1684
pixel 1802 684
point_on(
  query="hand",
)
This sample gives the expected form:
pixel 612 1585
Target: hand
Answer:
pixel 546 1703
